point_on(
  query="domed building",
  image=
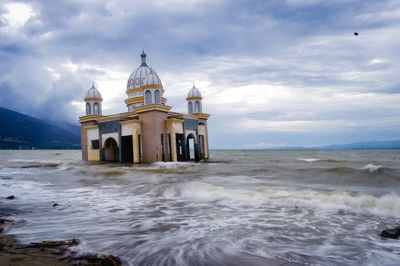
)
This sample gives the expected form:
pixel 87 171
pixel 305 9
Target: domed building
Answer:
pixel 144 87
pixel 149 131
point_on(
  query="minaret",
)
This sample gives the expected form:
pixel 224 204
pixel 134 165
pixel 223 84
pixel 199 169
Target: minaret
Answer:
pixel 93 101
pixel 194 101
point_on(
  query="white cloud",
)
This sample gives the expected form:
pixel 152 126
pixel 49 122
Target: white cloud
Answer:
pixel 18 14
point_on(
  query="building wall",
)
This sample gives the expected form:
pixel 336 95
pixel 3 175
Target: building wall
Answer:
pixel 92 134
pixel 153 125
pixel 84 138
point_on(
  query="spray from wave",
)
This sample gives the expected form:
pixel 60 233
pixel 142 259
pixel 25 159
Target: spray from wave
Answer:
pixel 372 168
pixel 205 192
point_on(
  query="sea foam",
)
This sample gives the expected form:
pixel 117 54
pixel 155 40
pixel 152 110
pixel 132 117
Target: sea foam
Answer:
pixel 201 191
pixel 372 168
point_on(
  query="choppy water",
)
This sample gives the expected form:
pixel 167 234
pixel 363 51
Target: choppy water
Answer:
pixel 240 208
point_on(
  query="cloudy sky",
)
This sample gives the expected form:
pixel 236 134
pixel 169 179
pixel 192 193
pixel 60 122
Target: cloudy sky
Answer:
pixel 272 73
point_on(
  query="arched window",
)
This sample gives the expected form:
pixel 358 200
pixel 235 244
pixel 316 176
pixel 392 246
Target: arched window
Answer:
pixel 197 107
pixel 190 106
pixel 88 109
pixel 157 95
pixel 148 97
pixel 96 109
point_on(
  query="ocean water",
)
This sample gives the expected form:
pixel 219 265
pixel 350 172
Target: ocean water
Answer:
pixel 306 207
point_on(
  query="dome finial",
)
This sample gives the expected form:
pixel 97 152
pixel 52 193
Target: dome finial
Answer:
pixel 143 55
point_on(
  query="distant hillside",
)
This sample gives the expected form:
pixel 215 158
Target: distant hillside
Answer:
pixel 384 144
pixel 74 129
pixel 375 144
pixel 21 131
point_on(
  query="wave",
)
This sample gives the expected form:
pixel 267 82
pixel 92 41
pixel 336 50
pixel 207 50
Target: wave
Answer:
pixel 367 169
pixel 372 168
pixel 168 165
pixel 201 191
pixel 331 169
pixel 40 165
pixel 313 160
pixel 22 163
pixel 111 172
pixel 259 170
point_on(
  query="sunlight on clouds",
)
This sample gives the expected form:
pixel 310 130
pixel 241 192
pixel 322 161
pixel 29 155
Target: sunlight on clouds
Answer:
pixel 376 61
pixel 111 81
pixel 55 75
pixel 18 14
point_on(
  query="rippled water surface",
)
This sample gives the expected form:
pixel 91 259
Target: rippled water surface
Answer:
pixel 239 208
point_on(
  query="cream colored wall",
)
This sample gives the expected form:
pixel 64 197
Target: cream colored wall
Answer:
pixel 193 132
pixel 92 134
pixel 177 127
pixel 174 126
pixel 105 136
pixel 133 128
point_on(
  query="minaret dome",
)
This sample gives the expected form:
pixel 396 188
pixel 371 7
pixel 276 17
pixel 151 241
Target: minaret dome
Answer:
pixel 194 101
pixel 93 101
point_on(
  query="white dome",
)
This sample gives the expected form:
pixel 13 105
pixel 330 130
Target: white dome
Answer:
pixel 93 92
pixel 138 76
pixel 152 79
pixel 194 92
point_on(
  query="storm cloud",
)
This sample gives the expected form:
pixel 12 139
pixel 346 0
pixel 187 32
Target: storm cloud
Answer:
pixel 272 73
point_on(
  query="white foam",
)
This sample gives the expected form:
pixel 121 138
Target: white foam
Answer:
pixel 200 191
pixel 372 168
pixel 309 160
pixel 169 165
pixel 33 161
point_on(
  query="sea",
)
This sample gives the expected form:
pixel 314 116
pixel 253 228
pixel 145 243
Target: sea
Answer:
pixel 256 207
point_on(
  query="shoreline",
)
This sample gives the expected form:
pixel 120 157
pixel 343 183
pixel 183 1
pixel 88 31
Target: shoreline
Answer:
pixel 56 253
pixel 15 253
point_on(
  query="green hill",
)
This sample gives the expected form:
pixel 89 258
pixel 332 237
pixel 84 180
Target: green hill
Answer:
pixel 19 131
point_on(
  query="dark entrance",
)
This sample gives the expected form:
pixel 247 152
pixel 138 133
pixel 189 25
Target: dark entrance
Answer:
pixel 180 147
pixel 192 148
pixel 127 149
pixel 111 150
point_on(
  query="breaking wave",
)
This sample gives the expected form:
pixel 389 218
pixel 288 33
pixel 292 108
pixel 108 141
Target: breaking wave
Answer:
pixel 313 160
pixel 372 168
pixel 201 191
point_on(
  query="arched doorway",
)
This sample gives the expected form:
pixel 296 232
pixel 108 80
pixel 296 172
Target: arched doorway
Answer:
pixel 192 148
pixel 111 151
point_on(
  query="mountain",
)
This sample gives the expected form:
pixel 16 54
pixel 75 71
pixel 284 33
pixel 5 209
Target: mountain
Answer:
pixel 74 129
pixel 375 144
pixel 21 131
